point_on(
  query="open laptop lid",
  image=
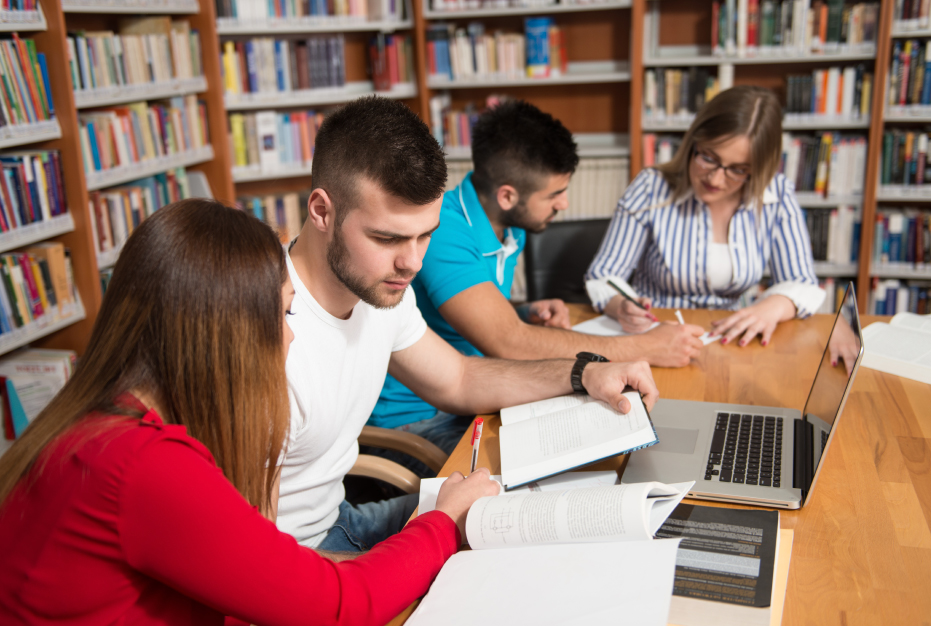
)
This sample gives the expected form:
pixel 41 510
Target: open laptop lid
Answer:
pixel 830 390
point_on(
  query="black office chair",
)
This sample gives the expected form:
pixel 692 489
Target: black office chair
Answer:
pixel 556 259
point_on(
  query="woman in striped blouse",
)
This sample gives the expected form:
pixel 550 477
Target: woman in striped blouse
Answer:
pixel 699 231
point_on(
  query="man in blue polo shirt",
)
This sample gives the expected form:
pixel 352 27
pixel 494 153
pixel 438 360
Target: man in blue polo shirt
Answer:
pixel 523 159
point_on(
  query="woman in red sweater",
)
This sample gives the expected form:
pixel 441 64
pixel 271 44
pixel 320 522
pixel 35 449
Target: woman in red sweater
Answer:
pixel 136 497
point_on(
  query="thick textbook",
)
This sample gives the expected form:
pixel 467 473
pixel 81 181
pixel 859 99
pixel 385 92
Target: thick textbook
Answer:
pixel 901 347
pixel 552 436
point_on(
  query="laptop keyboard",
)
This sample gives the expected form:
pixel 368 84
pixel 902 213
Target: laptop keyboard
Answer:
pixel 746 449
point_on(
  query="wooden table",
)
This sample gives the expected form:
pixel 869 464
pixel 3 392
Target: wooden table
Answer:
pixel 862 547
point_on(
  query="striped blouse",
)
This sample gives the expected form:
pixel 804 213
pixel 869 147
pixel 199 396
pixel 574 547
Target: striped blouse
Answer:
pixel 667 244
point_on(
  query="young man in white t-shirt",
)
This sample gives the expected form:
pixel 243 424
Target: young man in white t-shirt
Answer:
pixel 378 183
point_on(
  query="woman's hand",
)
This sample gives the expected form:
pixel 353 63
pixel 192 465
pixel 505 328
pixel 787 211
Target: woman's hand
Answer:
pixel 632 318
pixel 757 319
pixel 457 494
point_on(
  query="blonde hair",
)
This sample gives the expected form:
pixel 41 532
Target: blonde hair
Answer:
pixel 745 110
pixel 192 317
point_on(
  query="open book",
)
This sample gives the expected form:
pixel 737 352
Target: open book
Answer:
pixel 901 347
pixel 607 570
pixel 579 507
pixel 552 436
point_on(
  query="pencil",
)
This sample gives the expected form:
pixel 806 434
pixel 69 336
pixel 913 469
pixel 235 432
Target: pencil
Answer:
pixel 624 293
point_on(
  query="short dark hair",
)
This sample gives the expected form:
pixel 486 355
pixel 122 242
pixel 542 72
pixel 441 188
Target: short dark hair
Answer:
pixel 381 140
pixel 515 143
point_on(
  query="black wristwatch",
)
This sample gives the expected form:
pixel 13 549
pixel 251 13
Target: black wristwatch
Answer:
pixel 581 360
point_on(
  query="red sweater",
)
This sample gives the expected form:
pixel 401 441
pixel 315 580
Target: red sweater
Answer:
pixel 137 525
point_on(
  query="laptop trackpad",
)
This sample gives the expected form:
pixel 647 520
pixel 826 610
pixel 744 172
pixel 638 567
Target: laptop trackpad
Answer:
pixel 678 440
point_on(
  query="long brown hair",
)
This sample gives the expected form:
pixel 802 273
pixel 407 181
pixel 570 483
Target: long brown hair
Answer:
pixel 743 110
pixel 193 318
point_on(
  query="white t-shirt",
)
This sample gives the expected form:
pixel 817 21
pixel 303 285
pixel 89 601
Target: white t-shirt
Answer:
pixel 336 369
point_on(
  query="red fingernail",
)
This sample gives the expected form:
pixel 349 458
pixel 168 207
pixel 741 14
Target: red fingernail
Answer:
pixel 743 343
pixel 833 363
pixel 647 306
pixel 765 343
pixel 724 340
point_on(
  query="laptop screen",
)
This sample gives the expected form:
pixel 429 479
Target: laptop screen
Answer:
pixel 833 379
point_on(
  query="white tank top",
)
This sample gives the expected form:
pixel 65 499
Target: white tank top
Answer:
pixel 720 268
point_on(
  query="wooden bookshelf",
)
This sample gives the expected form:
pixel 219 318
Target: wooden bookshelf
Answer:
pixel 592 98
pixel 213 160
pixel 609 45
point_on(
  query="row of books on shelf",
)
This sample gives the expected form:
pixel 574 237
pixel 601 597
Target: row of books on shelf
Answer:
pixel 262 10
pixel 116 212
pixel 145 50
pixel 31 188
pixel 29 379
pixel 910 73
pixel 828 164
pixel 672 92
pixel 474 5
pixel 462 53
pixel 905 158
pixel 392 60
pixel 888 297
pixel 837 91
pixel 659 148
pixel 834 234
pixel 269 141
pixel 138 132
pixel 911 14
pixel 753 27
pixel 19 5
pixel 269 65
pixel 285 212
pixel 902 236
pixel 26 96
pixel 835 290
pixel 38 286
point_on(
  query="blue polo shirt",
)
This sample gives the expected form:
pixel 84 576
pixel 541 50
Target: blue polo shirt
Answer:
pixel 464 251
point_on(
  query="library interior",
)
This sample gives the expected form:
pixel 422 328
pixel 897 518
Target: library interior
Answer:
pixel 111 110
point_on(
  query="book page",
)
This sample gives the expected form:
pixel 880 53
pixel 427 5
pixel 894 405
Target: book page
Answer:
pixel 430 487
pixel 912 321
pixel 560 441
pixel 588 515
pixel 627 582
pixel 898 342
pixel 521 412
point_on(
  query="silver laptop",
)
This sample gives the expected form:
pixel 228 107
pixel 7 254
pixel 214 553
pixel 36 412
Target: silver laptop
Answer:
pixel 745 454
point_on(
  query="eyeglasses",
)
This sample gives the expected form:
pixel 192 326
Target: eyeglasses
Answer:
pixel 709 165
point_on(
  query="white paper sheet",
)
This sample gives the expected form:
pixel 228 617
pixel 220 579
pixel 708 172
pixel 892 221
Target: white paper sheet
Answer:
pixel 605 327
pixel 563 585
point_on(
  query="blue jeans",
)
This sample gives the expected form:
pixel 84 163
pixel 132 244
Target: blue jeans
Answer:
pixel 443 429
pixel 359 527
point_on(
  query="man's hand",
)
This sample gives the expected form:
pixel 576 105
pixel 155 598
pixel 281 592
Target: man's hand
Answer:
pixel 606 382
pixel 760 318
pixel 844 344
pixel 671 345
pixel 457 494
pixel 551 313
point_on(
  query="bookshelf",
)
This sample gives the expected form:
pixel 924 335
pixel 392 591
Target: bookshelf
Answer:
pixel 896 199
pixel 356 33
pixel 74 229
pixel 599 98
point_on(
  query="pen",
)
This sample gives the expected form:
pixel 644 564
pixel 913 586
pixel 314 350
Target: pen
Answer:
pixel 624 294
pixel 476 437
pixel 679 317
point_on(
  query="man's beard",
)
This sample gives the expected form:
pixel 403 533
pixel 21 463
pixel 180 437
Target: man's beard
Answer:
pixel 519 217
pixel 337 256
